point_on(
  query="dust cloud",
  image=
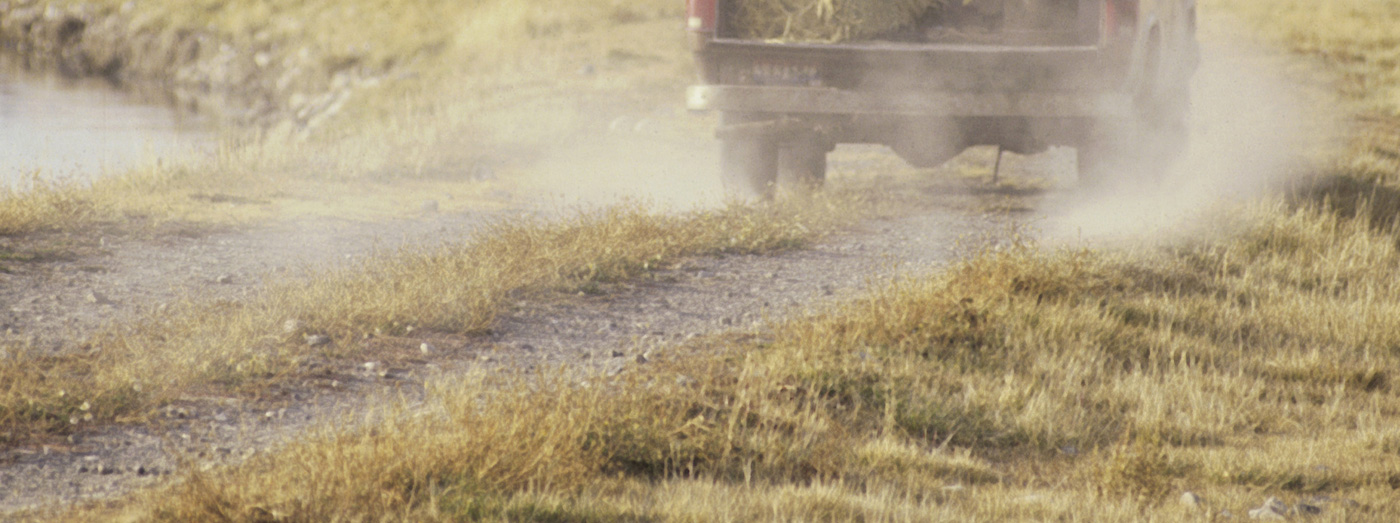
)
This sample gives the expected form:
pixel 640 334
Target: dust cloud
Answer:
pixel 660 160
pixel 1253 127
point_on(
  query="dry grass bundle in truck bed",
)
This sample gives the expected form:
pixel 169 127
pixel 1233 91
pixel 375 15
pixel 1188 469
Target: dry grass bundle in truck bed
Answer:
pixel 830 20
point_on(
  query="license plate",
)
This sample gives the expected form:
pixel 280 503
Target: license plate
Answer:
pixel 772 73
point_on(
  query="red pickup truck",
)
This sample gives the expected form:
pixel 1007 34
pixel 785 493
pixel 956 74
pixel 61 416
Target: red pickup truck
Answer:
pixel 1108 77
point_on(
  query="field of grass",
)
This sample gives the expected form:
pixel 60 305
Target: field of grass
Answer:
pixel 1024 383
pixel 1017 385
pixel 457 84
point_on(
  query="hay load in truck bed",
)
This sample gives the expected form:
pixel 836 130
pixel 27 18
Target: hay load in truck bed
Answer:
pixel 846 20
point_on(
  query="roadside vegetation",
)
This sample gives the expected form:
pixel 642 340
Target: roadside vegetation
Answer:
pixel 1023 383
pixel 416 101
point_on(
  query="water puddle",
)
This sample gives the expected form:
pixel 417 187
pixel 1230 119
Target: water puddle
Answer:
pixel 55 129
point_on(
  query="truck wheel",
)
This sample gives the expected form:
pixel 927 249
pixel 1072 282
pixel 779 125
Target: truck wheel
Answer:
pixel 748 167
pixel 802 166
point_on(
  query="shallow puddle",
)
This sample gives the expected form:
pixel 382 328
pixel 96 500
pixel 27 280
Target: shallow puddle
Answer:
pixel 54 129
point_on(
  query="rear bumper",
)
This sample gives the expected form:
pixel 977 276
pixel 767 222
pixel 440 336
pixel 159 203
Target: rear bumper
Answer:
pixel 831 101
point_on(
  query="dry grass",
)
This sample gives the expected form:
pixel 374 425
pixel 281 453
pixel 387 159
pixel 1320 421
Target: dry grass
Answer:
pixel 223 347
pixel 1016 385
pixel 1020 384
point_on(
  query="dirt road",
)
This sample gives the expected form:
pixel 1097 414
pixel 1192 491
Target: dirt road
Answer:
pixel 55 303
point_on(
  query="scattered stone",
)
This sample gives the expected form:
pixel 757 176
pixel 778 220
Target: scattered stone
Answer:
pixel 685 381
pixel 619 354
pixel 828 289
pixel 141 470
pixel 372 366
pixel 1191 499
pixel 1306 509
pixel 643 358
pixel 485 358
pixel 430 206
pixel 293 326
pixel 1273 510
pixel 224 279
pixel 427 348
pixel 1226 514
pixel 317 340
pixel 98 298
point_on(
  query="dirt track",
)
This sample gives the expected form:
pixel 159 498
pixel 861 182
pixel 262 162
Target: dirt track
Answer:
pixel 703 296
pixel 59 302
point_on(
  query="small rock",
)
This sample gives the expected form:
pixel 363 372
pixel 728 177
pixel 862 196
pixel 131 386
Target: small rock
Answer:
pixel 1273 510
pixel 97 298
pixel 293 326
pixel 430 206
pixel 828 290
pixel 619 354
pixel 105 470
pixel 642 358
pixel 141 470
pixel 485 358
pixel 427 348
pixel 224 279
pixel 1306 509
pixel 317 340
pixel 372 366
pixel 1191 499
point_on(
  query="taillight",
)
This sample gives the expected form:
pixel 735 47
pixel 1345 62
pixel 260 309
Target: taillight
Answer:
pixel 701 15
pixel 1120 18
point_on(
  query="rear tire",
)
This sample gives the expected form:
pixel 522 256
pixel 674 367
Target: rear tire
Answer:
pixel 748 167
pixel 802 166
